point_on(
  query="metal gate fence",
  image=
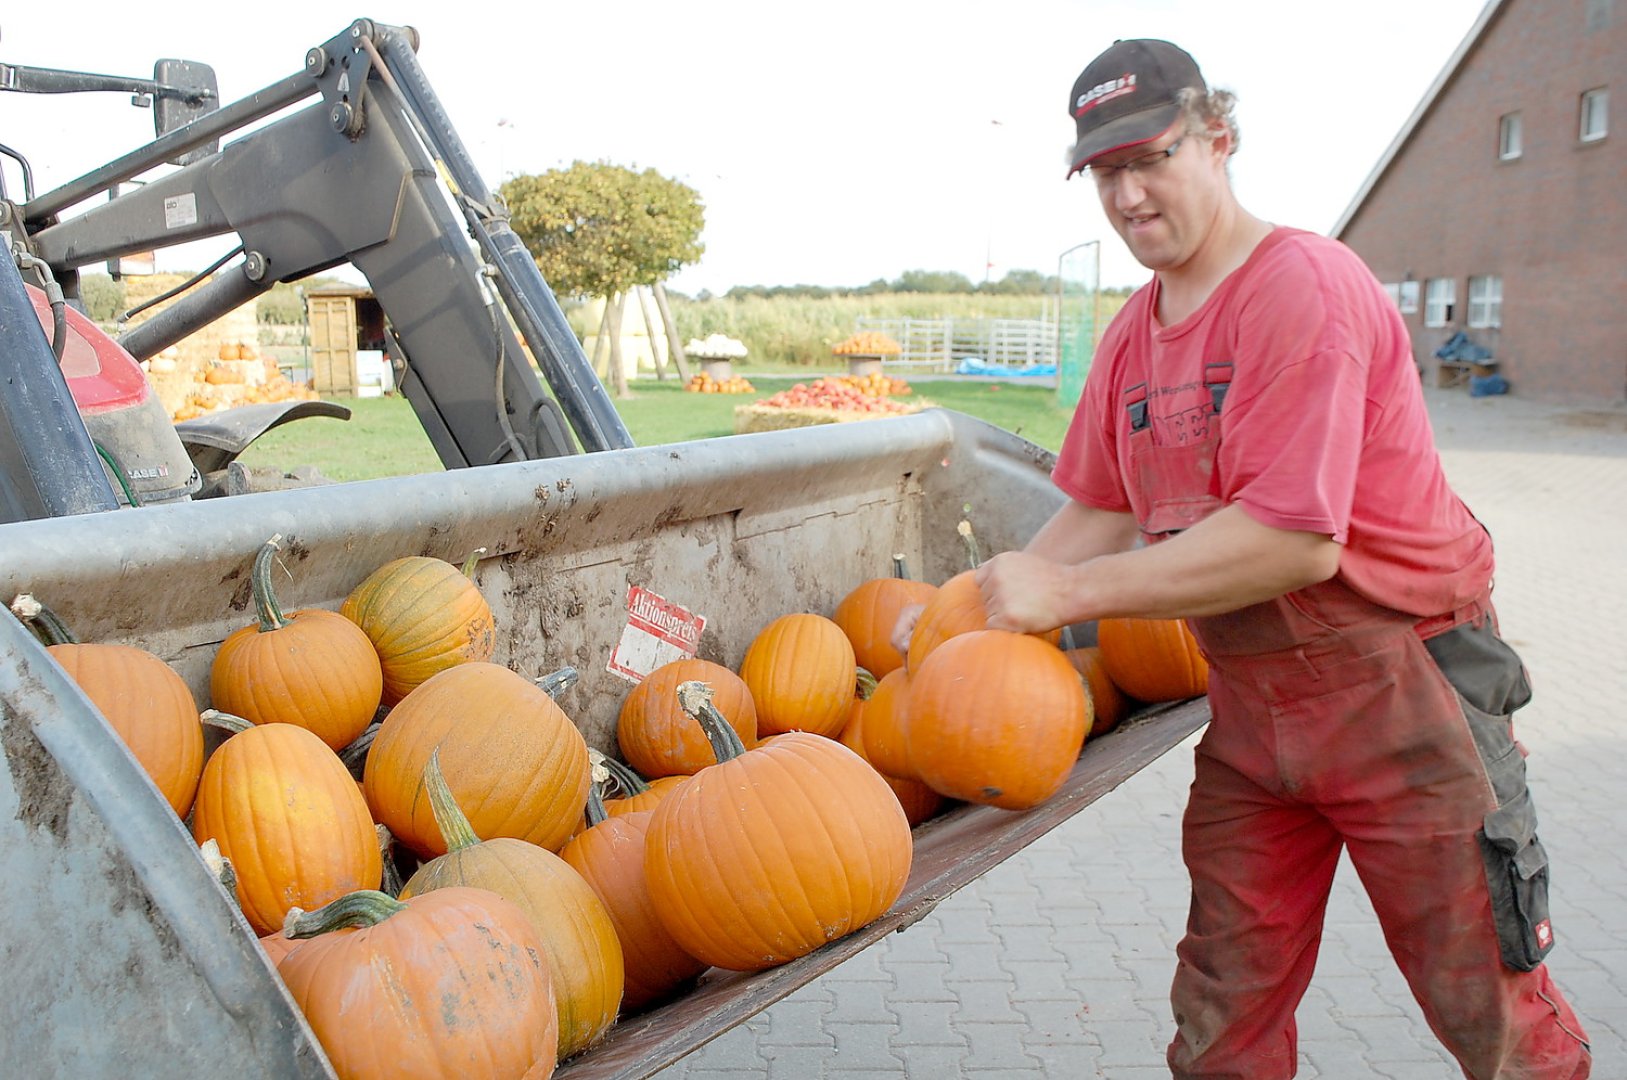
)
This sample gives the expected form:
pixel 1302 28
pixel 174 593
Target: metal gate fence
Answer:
pixel 950 344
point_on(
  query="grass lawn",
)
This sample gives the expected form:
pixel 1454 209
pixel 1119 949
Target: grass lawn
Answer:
pixel 383 438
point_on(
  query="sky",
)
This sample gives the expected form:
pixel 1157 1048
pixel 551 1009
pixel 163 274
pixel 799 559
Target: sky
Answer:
pixel 831 144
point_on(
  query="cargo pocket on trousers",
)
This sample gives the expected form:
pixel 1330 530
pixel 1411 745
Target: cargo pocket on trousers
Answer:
pixel 1517 874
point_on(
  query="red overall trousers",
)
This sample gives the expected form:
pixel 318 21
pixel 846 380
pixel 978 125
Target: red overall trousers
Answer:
pixel 1334 727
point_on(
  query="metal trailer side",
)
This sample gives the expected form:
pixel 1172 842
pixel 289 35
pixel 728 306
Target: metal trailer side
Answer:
pixel 137 937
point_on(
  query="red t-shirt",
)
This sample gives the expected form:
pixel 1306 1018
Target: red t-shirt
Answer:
pixel 1322 428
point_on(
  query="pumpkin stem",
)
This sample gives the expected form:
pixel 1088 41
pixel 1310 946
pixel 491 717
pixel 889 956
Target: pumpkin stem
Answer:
pixel 355 755
pixel 628 782
pixel 391 885
pixel 972 554
pixel 362 908
pixel 449 818
pixel 42 621
pixel 471 561
pixel 225 721
pixel 595 811
pixel 265 597
pixel 220 867
pixel 864 684
pixel 900 569
pixel 557 682
pixel 695 698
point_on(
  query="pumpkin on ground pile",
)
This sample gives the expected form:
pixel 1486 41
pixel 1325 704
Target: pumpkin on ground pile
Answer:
pixel 577 934
pixel 655 736
pixel 1153 659
pixel 919 801
pixel 313 668
pixel 450 983
pixel 773 851
pixel 609 855
pixel 868 614
pixel 1108 703
pixel 147 704
pixel 996 718
pixel 509 754
pixel 800 669
pixel 286 813
pixel 956 608
pixel 423 616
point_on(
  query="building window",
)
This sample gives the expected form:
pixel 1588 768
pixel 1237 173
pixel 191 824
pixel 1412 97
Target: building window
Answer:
pixel 1485 301
pixel 1595 114
pixel 1407 297
pixel 1440 297
pixel 1508 137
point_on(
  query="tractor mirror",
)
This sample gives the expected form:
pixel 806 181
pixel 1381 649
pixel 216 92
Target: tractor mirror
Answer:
pixel 190 92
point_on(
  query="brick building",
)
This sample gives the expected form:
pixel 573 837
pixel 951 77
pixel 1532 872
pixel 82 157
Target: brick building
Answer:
pixel 1501 207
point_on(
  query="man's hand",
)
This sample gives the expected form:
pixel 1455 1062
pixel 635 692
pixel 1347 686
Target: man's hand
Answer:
pixel 908 616
pixel 1024 593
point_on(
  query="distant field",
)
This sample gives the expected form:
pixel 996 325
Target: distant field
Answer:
pixel 383 437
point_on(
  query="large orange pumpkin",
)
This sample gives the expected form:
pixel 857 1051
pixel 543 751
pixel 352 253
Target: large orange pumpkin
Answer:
pixel 450 983
pixel 800 669
pixel 919 801
pixel 1108 703
pixel 609 855
pixel 657 738
pixel 509 753
pixel 868 615
pixel 149 707
pixel 423 616
pixel 956 608
pixel 774 851
pixel 286 813
pixel 996 718
pixel 1153 659
pixel 578 937
pixel 315 669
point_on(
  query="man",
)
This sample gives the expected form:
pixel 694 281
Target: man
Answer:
pixel 1252 454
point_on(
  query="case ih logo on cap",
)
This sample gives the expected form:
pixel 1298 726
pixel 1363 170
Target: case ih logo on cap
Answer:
pixel 1103 92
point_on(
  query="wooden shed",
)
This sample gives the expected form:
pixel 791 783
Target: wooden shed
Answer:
pixel 343 320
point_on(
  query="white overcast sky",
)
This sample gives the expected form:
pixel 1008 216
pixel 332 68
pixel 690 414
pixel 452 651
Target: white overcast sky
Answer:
pixel 832 143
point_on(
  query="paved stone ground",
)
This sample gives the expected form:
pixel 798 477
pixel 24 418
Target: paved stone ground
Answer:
pixel 1057 963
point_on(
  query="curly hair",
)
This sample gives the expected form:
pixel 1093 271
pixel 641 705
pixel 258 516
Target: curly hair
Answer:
pixel 1204 110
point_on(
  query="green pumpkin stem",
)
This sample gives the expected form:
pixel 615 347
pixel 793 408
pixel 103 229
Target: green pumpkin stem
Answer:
pixel 41 621
pixel 391 885
pixel 220 867
pixel 362 908
pixel 901 569
pixel 628 782
pixel 557 682
pixel 449 818
pixel 972 554
pixel 864 684
pixel 695 698
pixel 355 755
pixel 470 563
pixel 265 597
pixel 225 721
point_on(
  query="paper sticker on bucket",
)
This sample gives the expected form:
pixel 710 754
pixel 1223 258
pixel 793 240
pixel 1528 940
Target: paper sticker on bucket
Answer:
pixel 658 632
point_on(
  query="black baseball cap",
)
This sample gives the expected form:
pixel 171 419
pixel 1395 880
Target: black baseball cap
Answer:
pixel 1127 95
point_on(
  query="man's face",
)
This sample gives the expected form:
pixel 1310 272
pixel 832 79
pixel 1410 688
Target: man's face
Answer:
pixel 1164 199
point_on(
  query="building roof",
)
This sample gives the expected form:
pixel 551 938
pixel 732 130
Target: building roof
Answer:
pixel 1470 42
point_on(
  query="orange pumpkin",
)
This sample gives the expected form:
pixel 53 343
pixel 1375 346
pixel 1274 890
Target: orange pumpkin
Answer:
pixel 919 801
pixel 773 851
pixel 610 857
pixel 450 983
pixel 956 608
pixel 147 705
pixel 578 937
pixel 655 736
pixel 423 615
pixel 509 753
pixel 276 946
pixel 800 670
pixel 1153 659
pixel 315 669
pixel 886 725
pixel 869 613
pixel 287 814
pixel 996 718
pixel 1108 703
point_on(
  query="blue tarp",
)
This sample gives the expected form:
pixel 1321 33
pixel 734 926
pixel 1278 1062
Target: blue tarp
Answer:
pixel 974 365
pixel 1459 347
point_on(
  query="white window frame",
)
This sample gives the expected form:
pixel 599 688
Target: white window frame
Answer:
pixel 1509 143
pixel 1594 121
pixel 1485 301
pixel 1440 301
pixel 1407 297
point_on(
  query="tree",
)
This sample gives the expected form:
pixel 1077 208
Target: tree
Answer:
pixel 597 229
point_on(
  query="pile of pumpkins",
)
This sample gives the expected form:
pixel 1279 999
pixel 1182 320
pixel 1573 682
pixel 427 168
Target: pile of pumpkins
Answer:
pixel 758 813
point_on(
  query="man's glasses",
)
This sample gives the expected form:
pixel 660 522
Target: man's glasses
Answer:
pixel 1107 175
